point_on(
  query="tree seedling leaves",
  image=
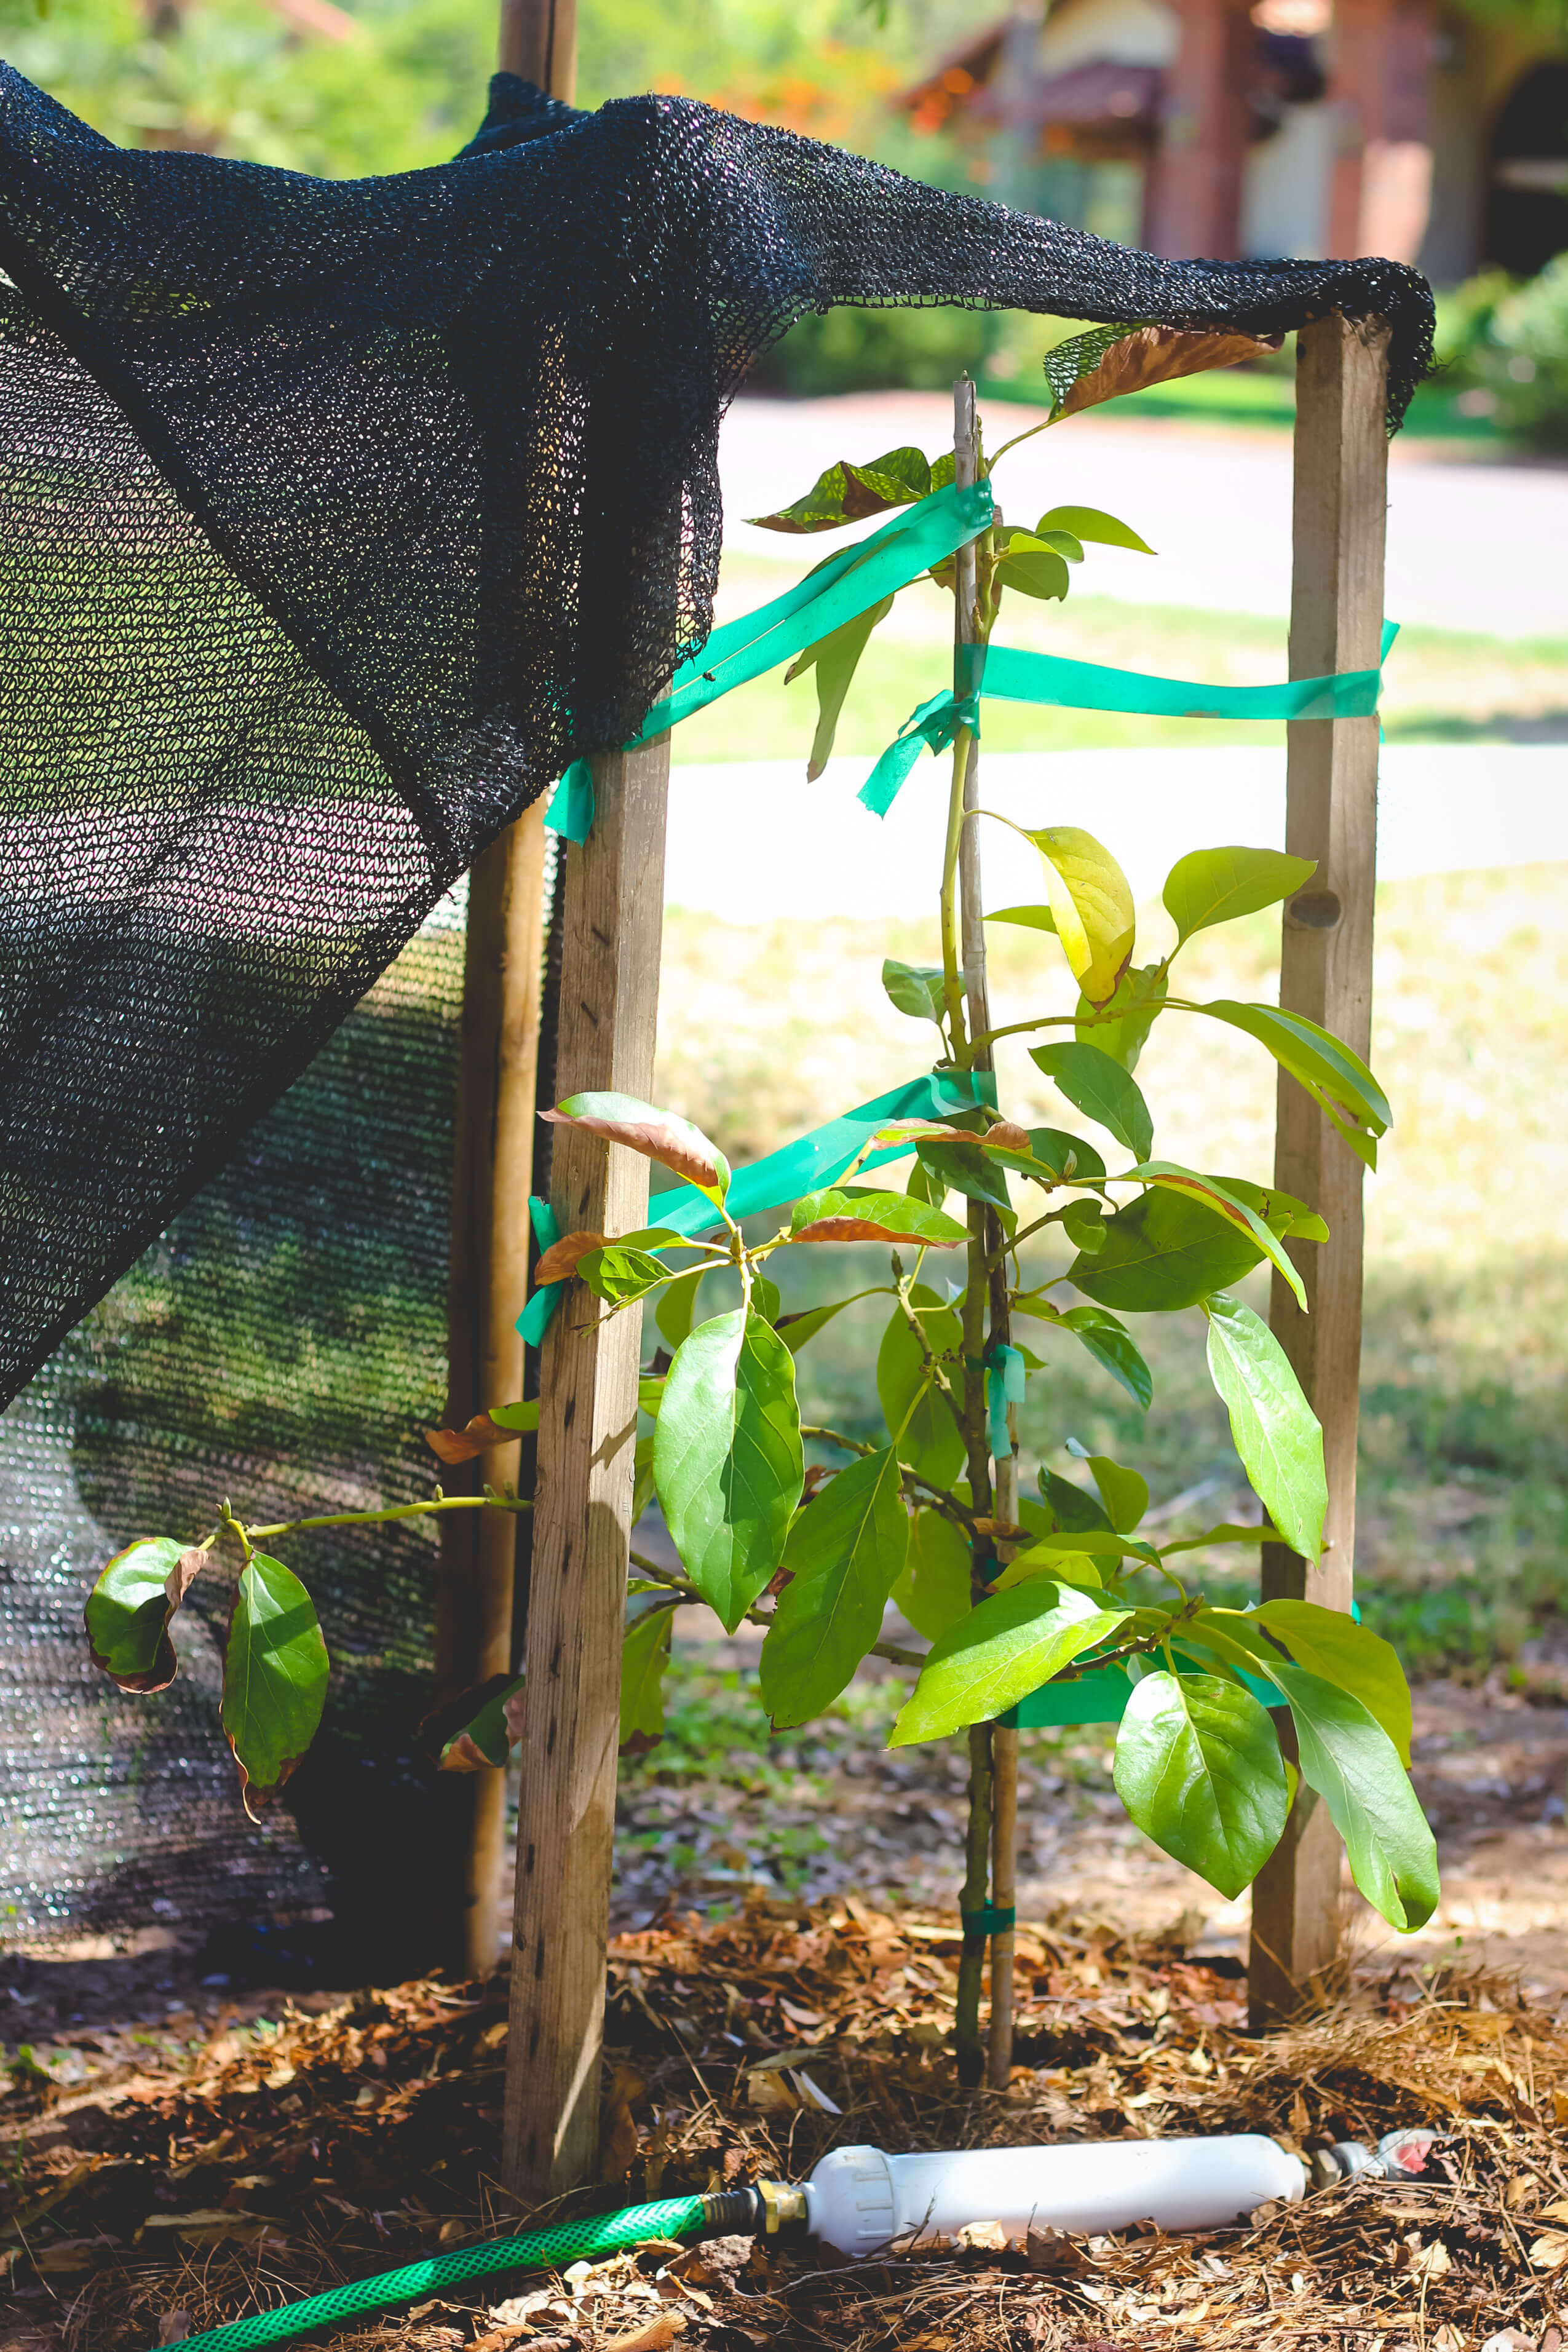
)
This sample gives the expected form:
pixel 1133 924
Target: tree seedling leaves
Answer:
pixel 794 1331
pixel 514 1418
pixel 915 988
pixel 1229 1205
pixel 562 1259
pixel 657 1134
pixel 1133 1010
pixel 130 1607
pixel 643 1657
pixel 1348 1756
pixel 845 1554
pixel 1068 1157
pixel 1199 1769
pixel 618 1274
pixel 475 1437
pixel 475 1733
pixel 1272 1426
pixel 1090 523
pixel 1330 1645
pixel 1092 903
pixel 677 1310
pixel 1004 1648
pixel 1073 1509
pixel 931 1441
pixel 1112 1346
pixel 1122 1491
pixel 967 1168
pixel 274 1678
pixel 1163 1251
pixel 1031 919
pixel 834 659
pixel 934 1591
pixel 727 1458
pixel 1083 1222
pixel 854 1213
pixel 1109 363
pixel 1033 568
pixel 1101 1089
pixel 1338 1081
pixel 848 493
pixel 1216 885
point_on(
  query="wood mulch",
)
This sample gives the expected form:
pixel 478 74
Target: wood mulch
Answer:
pixel 160 2197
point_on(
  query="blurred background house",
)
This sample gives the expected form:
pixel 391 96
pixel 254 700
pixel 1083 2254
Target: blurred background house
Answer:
pixel 1290 127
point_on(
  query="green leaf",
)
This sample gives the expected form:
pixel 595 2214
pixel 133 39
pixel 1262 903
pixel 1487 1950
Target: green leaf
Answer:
pixel 1112 1346
pixel 1163 1251
pixel 1331 1646
pixel 1033 569
pixel 1004 1648
pixel 1083 1222
pixel 855 1213
pixel 619 1275
pixel 1073 1160
pixel 934 1589
pixel 1338 1081
pixel 794 1331
pixel 524 1415
pixel 965 1168
pixel 1092 902
pixel 1073 1509
pixel 834 659
pixel 274 1677
pixel 1230 1205
pixel 727 1459
pixel 1124 1493
pixel 661 1135
pixel 932 1443
pixel 1032 918
pixel 1215 886
pixel 1134 1007
pixel 1099 1087
pixel 846 492
pixel 1199 1769
pixel 484 1739
pixel 1272 1425
pixel 130 1607
pixel 644 1658
pixel 915 988
pixel 642 1476
pixel 845 1554
pixel 1350 1759
pixel 677 1310
pixel 1088 522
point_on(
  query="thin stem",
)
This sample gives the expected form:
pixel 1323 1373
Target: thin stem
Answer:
pixel 833 1437
pixel 1017 438
pixel 375 1519
pixel 976 1879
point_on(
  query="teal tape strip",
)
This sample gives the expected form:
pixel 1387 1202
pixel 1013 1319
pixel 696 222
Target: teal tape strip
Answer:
pixel 804 1166
pixel 571 812
pixel 1005 1377
pixel 1008 675
pixel 994 1919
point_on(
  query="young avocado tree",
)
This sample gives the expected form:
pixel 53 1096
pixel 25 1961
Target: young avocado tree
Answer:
pixel 1010 1593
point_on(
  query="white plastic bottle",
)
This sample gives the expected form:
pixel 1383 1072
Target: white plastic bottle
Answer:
pixel 859 2200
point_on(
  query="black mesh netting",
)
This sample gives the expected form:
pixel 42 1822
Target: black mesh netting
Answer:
pixel 334 519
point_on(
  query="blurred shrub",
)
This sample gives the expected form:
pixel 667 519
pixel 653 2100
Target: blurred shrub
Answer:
pixel 1507 344
pixel 876 351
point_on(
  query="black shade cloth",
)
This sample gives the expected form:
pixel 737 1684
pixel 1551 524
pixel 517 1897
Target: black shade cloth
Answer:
pixel 336 517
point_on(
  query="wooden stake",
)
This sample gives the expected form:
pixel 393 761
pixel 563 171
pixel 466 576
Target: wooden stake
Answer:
pixel 492 1163
pixel 1336 622
pixel 611 912
pixel 539 41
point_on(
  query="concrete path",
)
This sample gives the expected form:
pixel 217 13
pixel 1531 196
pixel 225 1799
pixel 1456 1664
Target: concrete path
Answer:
pixel 754 842
pixel 1471 546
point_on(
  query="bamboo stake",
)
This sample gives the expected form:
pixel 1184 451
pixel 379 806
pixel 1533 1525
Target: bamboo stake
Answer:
pixel 1002 1759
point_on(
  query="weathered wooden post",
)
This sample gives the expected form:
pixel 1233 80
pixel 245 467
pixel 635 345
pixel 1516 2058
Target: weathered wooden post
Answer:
pixel 1336 623
pixel 492 1173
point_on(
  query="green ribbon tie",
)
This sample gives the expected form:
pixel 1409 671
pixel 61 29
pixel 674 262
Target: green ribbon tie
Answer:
pixel 812 1161
pixel 1004 1376
pixel 992 1919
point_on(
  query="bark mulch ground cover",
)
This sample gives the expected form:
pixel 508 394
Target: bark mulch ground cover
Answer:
pixel 163 2191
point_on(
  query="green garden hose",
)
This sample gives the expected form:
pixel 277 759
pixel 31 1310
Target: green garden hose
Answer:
pixel 553 2249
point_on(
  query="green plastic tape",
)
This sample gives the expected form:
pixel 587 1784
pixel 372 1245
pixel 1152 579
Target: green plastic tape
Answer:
pixel 993 1919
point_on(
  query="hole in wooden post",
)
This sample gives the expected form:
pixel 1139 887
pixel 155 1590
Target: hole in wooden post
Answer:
pixel 1314 911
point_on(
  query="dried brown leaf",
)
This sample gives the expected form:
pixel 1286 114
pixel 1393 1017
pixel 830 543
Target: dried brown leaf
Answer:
pixel 1153 355
pixel 862 1229
pixel 466 1444
pixel 561 1259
